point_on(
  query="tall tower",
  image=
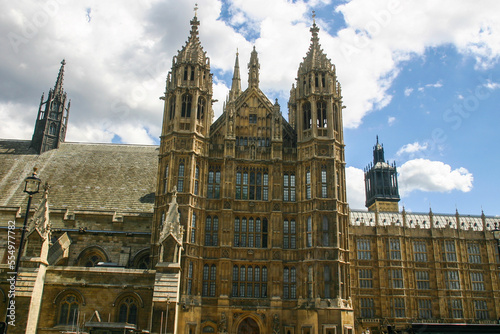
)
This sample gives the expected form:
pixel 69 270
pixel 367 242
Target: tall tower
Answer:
pixel 315 111
pixel 381 183
pixel 183 148
pixel 52 119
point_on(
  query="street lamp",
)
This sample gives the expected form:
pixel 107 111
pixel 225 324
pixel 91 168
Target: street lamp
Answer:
pixel 31 187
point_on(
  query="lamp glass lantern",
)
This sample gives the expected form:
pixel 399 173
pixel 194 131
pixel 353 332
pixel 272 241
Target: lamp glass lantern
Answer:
pixel 32 184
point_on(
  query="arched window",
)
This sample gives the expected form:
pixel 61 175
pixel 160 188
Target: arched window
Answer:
pixel 289 234
pixel 201 108
pixel 165 180
pixel 90 257
pixel 180 178
pixel 309 232
pixel 190 279
pixel 171 113
pixel 324 189
pixel 141 260
pixel 289 283
pixel 52 129
pixel 193 228
pixel 68 310
pixel 325 228
pixel 307 115
pixel 209 277
pixel 310 282
pixel 128 311
pixel 321 114
pixel 186 106
pixel 308 184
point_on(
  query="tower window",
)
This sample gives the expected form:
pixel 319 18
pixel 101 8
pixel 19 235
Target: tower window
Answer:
pixel 186 106
pixel 52 129
pixel 190 279
pixel 309 232
pixel 212 231
pixel 201 108
pixel 209 279
pixel 250 233
pixel 321 114
pixel 252 119
pixel 289 187
pixel 165 180
pixel 213 188
pixel 193 229
pixel 289 234
pixel 192 73
pixel 308 184
pixel 172 108
pixel 253 185
pixel 310 280
pixel 324 189
pixel 327 278
pixel 289 283
pixel 307 115
pixel 180 178
pixel 326 239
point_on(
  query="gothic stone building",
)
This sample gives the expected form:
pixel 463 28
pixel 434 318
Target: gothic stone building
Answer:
pixel 235 226
pixel 238 225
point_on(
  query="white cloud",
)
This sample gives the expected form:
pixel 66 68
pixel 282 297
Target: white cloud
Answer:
pixel 491 85
pixel 435 176
pixel 355 179
pixel 412 148
pixel 408 91
pixel 391 120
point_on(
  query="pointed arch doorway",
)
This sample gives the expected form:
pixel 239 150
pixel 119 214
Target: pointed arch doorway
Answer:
pixel 248 326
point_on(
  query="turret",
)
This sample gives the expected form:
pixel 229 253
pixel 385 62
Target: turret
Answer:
pixel 52 119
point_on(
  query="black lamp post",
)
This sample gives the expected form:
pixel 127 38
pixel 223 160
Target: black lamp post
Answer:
pixel 31 187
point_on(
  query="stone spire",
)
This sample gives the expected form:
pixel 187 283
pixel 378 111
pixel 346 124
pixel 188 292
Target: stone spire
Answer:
pixel 58 88
pixel 315 58
pixel 236 85
pixel 253 70
pixel 192 52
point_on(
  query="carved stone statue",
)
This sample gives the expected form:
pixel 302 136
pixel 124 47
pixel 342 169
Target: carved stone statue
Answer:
pixel 276 324
pixel 223 323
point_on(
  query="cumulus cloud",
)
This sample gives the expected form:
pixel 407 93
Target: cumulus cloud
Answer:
pixel 412 148
pixel 432 176
pixel 408 91
pixel 118 53
pixel 391 120
pixel 355 179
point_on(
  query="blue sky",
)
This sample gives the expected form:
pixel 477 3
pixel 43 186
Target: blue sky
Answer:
pixel 422 75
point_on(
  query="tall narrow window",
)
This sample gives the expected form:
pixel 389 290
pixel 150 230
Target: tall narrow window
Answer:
pixel 398 307
pixel 214 179
pixel 190 279
pixel 308 184
pixel 68 310
pixel 324 189
pixel 201 108
pixel 165 180
pixel 289 283
pixel 212 231
pixel 193 229
pixel 477 281
pixel 128 311
pixel 171 112
pixel 186 106
pixel 321 114
pixel 289 234
pixel 396 277
pixel 310 279
pixel 196 179
pixel 309 232
pixel 265 187
pixel 422 279
pixel 52 129
pixel 209 280
pixel 192 73
pixel 180 178
pixel 307 115
pixel 289 187
pixel 327 278
pixel 325 228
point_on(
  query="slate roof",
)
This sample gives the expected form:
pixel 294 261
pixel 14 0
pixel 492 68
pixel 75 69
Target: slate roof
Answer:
pixel 101 177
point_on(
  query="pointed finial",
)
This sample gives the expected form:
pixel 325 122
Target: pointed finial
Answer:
pixel 314 16
pixel 377 139
pixel 195 9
